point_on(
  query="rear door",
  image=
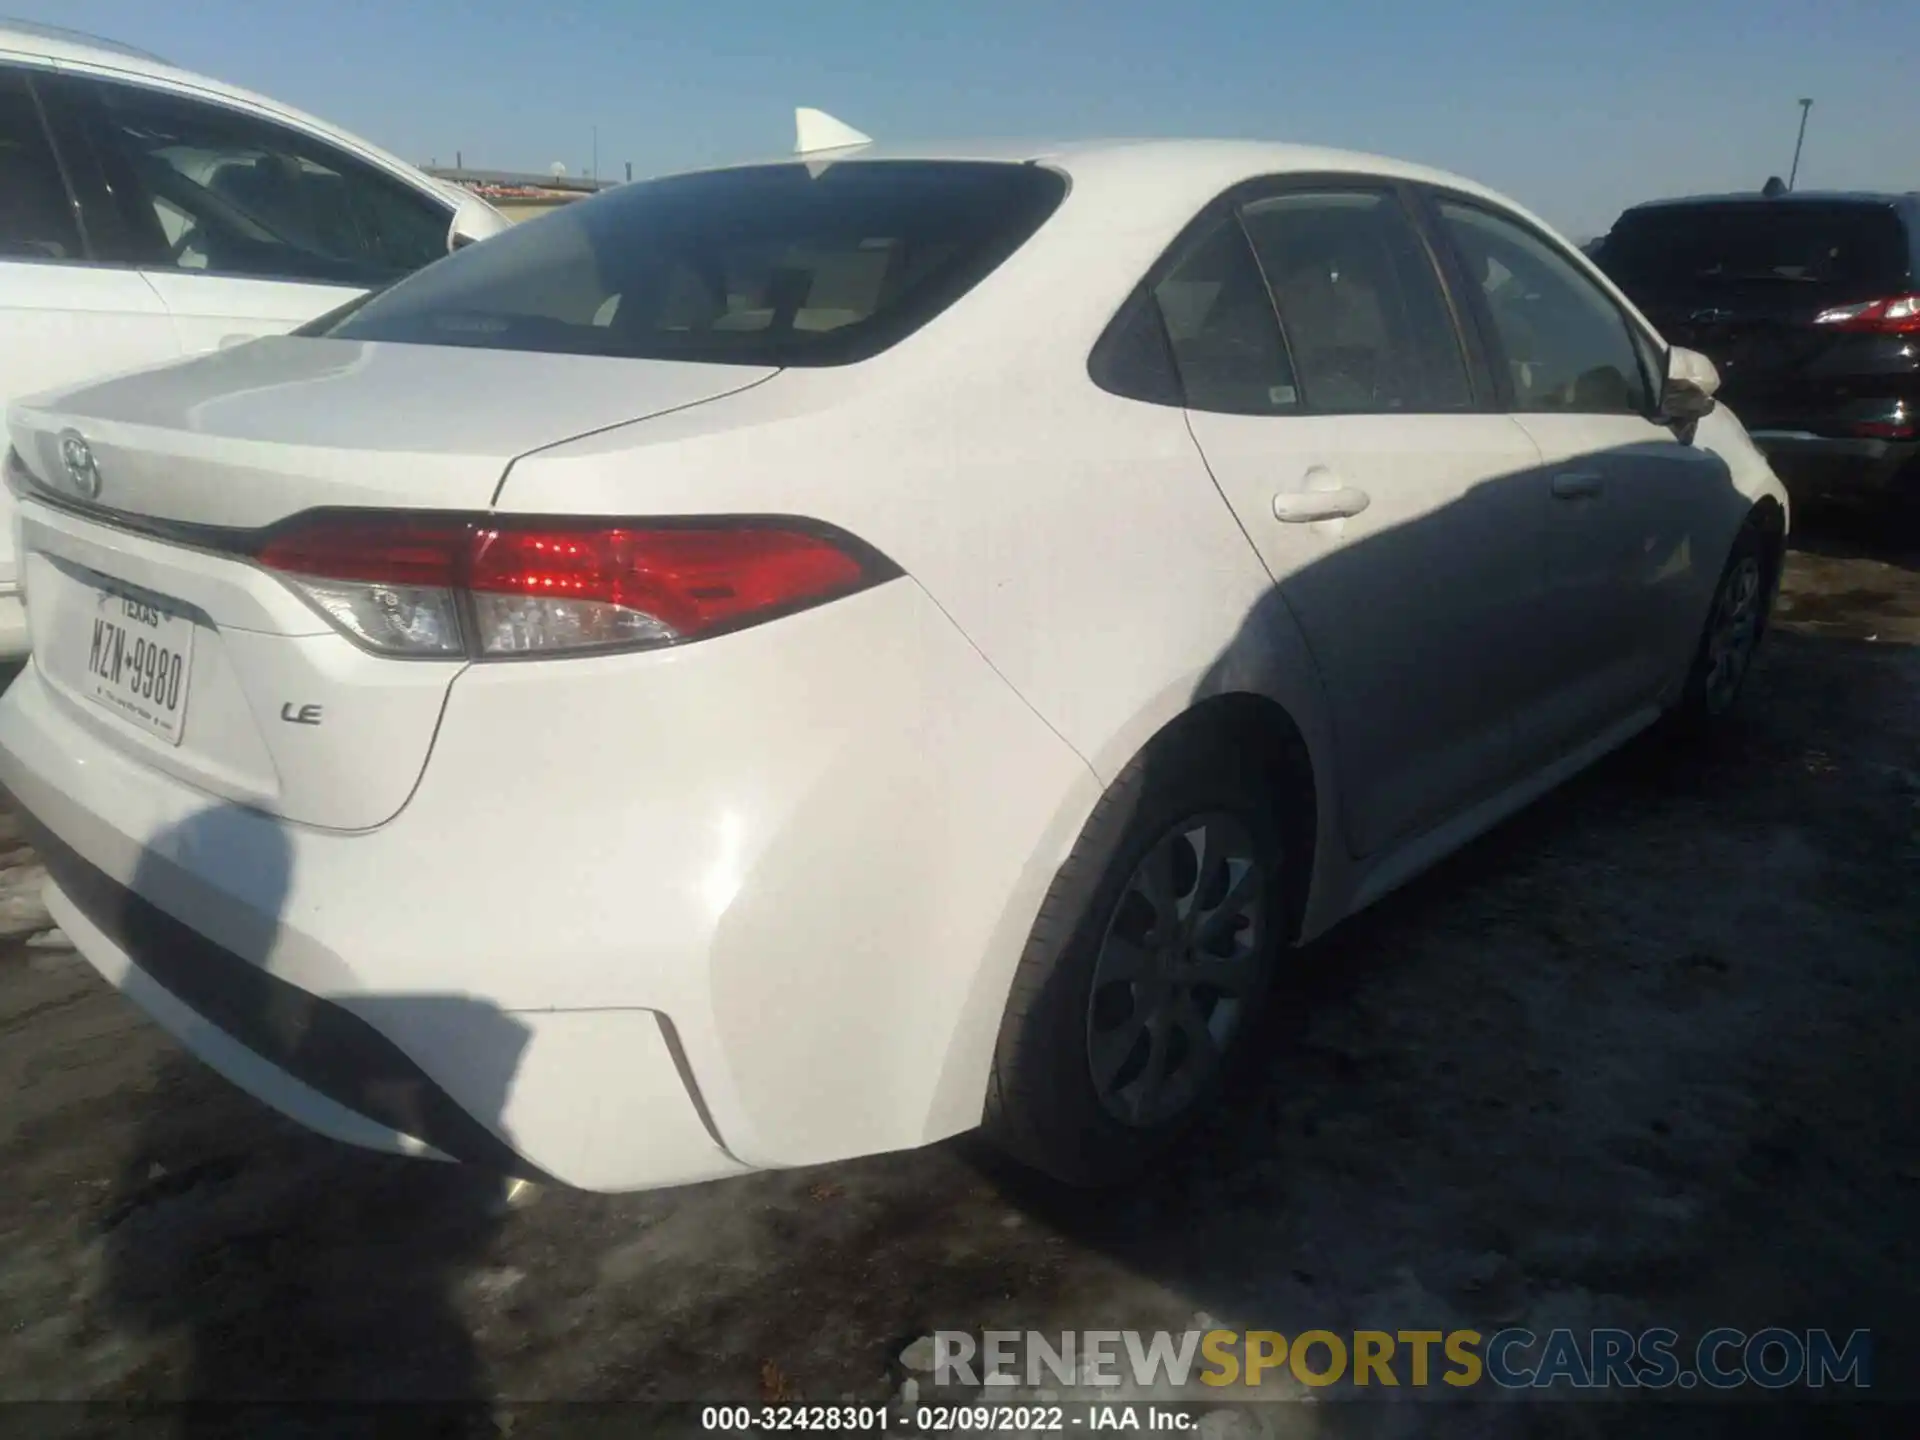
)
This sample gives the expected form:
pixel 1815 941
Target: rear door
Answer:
pixel 243 225
pixel 1400 520
pixel 1635 516
pixel 62 317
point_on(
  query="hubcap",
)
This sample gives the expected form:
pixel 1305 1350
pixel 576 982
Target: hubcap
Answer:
pixel 1177 969
pixel 1732 634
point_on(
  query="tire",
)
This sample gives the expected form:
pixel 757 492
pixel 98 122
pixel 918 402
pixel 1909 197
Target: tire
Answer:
pixel 1071 1094
pixel 1736 623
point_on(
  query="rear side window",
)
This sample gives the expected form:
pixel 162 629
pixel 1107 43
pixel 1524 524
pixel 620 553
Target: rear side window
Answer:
pixel 1133 358
pixel 220 191
pixel 36 218
pixel 1214 309
pixel 765 265
pixel 1791 250
pixel 1366 321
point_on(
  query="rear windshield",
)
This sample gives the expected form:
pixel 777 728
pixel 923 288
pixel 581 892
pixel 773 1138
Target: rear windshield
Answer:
pixel 769 265
pixel 1802 246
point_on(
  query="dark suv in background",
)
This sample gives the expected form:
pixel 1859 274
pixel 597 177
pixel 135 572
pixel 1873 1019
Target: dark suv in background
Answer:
pixel 1809 305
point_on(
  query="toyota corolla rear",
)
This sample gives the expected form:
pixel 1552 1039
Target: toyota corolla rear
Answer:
pixel 453 811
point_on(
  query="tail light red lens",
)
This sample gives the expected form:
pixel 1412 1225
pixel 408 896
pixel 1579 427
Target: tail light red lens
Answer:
pixel 405 551
pixel 645 584
pixel 1895 315
pixel 488 587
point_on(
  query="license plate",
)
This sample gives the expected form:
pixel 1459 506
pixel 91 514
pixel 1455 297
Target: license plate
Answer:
pixel 139 657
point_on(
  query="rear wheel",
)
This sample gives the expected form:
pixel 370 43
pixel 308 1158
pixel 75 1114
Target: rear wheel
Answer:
pixel 1147 967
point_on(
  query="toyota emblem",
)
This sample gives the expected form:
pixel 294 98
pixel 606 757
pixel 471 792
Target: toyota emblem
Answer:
pixel 83 471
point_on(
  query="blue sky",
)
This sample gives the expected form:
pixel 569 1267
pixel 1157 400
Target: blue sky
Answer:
pixel 1575 109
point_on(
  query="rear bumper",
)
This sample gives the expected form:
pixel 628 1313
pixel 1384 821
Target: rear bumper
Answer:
pixel 1821 465
pixel 329 1067
pixel 647 920
pixel 313 1059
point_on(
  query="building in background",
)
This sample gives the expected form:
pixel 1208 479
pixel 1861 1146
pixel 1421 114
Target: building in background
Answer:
pixel 520 196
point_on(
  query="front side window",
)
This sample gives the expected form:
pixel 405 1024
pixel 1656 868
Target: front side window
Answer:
pixel 1366 321
pixel 201 187
pixel 1566 344
pixel 36 219
pixel 763 265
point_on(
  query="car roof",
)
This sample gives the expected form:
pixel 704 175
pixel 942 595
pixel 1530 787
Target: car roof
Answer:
pixel 1147 154
pixel 19 40
pixel 1182 172
pixel 57 42
pixel 1791 197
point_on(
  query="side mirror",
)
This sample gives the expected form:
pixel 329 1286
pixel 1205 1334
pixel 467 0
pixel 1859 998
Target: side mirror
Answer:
pixel 474 220
pixel 1689 387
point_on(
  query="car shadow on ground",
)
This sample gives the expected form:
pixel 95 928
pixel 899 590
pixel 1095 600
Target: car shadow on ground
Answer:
pixel 1630 1101
pixel 226 1229
pixel 1623 1109
pixel 225 1238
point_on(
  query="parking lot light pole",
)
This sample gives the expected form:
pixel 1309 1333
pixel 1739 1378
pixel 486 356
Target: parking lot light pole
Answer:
pixel 1805 106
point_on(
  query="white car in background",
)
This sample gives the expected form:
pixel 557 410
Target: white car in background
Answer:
pixel 787 662
pixel 148 213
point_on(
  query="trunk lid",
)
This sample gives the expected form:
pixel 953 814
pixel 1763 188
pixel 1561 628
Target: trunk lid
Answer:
pixel 247 436
pixel 206 666
pixel 1762 346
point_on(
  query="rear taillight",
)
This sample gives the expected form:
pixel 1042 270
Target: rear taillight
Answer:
pixel 487 587
pixel 1894 422
pixel 393 585
pixel 1895 315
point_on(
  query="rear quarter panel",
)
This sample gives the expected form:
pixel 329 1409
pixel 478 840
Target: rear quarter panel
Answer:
pixel 1076 538
pixel 1078 544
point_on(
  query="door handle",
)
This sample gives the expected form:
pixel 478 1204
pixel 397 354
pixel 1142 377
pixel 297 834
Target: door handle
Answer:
pixel 1301 506
pixel 1576 485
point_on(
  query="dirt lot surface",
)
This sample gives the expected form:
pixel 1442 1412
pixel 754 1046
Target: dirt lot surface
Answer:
pixel 1648 1055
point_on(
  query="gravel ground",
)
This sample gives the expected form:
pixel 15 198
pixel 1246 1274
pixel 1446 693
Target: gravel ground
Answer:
pixel 1646 1055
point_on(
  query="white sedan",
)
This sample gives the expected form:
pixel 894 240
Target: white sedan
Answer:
pixel 793 661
